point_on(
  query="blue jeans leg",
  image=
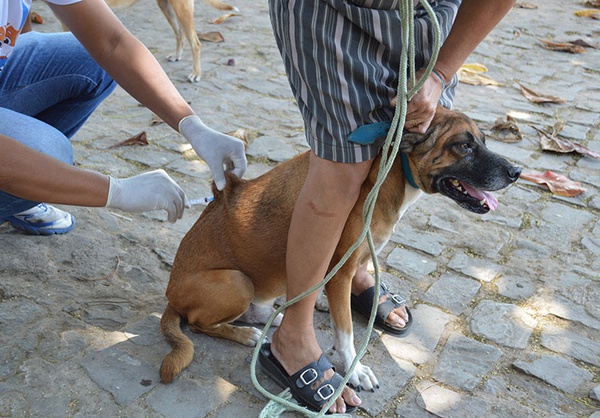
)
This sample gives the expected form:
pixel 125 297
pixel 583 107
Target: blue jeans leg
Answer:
pixel 48 88
pixel 35 134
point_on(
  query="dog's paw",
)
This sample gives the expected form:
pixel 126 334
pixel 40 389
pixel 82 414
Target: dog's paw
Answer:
pixel 363 378
pixel 194 77
pixel 173 58
pixel 322 304
pixel 252 336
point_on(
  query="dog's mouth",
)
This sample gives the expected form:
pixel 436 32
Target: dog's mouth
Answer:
pixel 467 196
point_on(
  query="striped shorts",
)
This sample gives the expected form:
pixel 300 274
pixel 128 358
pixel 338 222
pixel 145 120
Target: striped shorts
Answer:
pixel 342 59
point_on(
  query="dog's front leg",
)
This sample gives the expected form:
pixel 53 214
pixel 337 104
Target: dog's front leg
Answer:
pixel 338 294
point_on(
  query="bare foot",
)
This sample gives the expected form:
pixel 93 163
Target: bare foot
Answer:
pixel 362 281
pixel 296 349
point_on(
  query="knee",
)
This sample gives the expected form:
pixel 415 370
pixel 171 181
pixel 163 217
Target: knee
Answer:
pixel 340 182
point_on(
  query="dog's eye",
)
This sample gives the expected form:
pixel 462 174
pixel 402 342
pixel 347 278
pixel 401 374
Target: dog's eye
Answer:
pixel 464 146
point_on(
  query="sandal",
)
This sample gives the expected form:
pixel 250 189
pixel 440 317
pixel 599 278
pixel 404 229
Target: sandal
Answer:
pixel 364 302
pixel 301 382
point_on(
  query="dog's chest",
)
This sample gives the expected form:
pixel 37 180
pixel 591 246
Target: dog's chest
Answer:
pixel 384 233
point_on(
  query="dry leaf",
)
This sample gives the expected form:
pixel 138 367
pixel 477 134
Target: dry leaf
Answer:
pixel 36 18
pixel 592 3
pixel 240 134
pixel 534 97
pixel 506 130
pixel 156 120
pixel 521 5
pixel 472 74
pixel 139 139
pixel 223 18
pixel 585 44
pixel 557 183
pixel 550 142
pixel 211 36
pixel 592 13
pixel 562 46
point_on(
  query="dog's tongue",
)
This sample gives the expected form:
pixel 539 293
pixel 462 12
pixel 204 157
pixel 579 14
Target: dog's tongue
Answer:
pixel 490 200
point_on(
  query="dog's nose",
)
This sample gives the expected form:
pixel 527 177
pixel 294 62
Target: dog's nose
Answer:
pixel 514 172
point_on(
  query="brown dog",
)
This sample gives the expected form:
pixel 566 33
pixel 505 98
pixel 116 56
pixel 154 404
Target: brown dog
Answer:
pixel 231 264
pixel 180 15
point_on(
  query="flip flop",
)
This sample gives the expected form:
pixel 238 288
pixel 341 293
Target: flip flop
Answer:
pixel 301 382
pixel 364 302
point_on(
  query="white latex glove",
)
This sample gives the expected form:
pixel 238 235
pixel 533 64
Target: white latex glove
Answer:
pixel 147 191
pixel 216 149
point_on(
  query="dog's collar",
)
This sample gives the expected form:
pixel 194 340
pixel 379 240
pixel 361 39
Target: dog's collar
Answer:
pixel 406 170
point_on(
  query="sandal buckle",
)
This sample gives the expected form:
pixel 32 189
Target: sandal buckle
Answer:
pixel 307 380
pixel 398 300
pixel 330 390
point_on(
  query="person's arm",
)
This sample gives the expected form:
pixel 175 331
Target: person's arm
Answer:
pixel 32 175
pixel 124 57
pixel 29 174
pixel 474 21
pixel 135 69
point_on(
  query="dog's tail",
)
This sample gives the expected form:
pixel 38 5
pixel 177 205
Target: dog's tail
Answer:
pixel 183 348
pixel 219 5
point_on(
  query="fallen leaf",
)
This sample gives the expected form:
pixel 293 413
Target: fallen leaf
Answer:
pixel 521 5
pixel 592 3
pixel 556 183
pixel 211 36
pixel 156 120
pixel 240 134
pixel 223 18
pixel 534 97
pixel 139 139
pixel 36 18
pixel 479 68
pixel 506 130
pixel 585 44
pixel 472 74
pixel 591 13
pixel 562 47
pixel 550 142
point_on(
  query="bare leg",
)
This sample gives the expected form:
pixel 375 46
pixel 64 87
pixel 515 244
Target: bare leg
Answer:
pixel 329 194
pixel 362 281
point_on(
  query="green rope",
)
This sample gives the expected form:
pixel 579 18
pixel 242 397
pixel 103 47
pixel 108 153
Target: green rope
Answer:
pixel 284 401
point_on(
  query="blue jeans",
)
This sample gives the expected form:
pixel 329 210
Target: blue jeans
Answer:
pixel 48 88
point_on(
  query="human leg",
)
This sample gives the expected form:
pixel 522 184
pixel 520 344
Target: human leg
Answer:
pixel 48 88
pixel 35 217
pixel 51 77
pixel 329 194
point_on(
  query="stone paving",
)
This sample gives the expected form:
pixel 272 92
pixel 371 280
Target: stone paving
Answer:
pixel 507 319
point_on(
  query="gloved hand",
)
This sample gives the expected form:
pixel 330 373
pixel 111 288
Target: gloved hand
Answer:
pixel 215 148
pixel 147 191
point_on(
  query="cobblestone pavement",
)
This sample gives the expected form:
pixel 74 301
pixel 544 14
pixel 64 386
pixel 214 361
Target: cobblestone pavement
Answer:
pixel 507 319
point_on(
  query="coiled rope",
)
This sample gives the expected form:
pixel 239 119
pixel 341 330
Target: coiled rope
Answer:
pixel 284 401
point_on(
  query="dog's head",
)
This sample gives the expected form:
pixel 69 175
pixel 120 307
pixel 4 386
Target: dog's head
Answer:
pixel 451 158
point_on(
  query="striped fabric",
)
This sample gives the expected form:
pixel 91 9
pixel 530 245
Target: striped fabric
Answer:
pixel 342 59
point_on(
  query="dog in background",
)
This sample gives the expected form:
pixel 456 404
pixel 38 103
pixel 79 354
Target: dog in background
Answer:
pixel 180 15
pixel 231 264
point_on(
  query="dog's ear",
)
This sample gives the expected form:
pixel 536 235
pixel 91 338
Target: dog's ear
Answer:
pixel 410 140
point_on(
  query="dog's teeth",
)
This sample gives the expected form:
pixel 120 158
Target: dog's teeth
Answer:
pixel 455 183
pixel 482 202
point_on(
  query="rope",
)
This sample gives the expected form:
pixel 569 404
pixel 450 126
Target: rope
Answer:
pixel 284 401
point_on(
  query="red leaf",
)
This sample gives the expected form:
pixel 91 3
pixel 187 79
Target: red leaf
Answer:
pixel 557 183
pixel 139 139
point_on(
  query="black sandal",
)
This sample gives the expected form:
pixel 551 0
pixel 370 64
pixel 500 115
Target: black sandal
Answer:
pixel 300 383
pixel 364 302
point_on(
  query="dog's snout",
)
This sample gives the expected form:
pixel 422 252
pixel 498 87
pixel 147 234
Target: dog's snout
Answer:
pixel 514 172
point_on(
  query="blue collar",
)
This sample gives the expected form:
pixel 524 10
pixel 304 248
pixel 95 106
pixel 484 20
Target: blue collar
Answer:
pixel 406 170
